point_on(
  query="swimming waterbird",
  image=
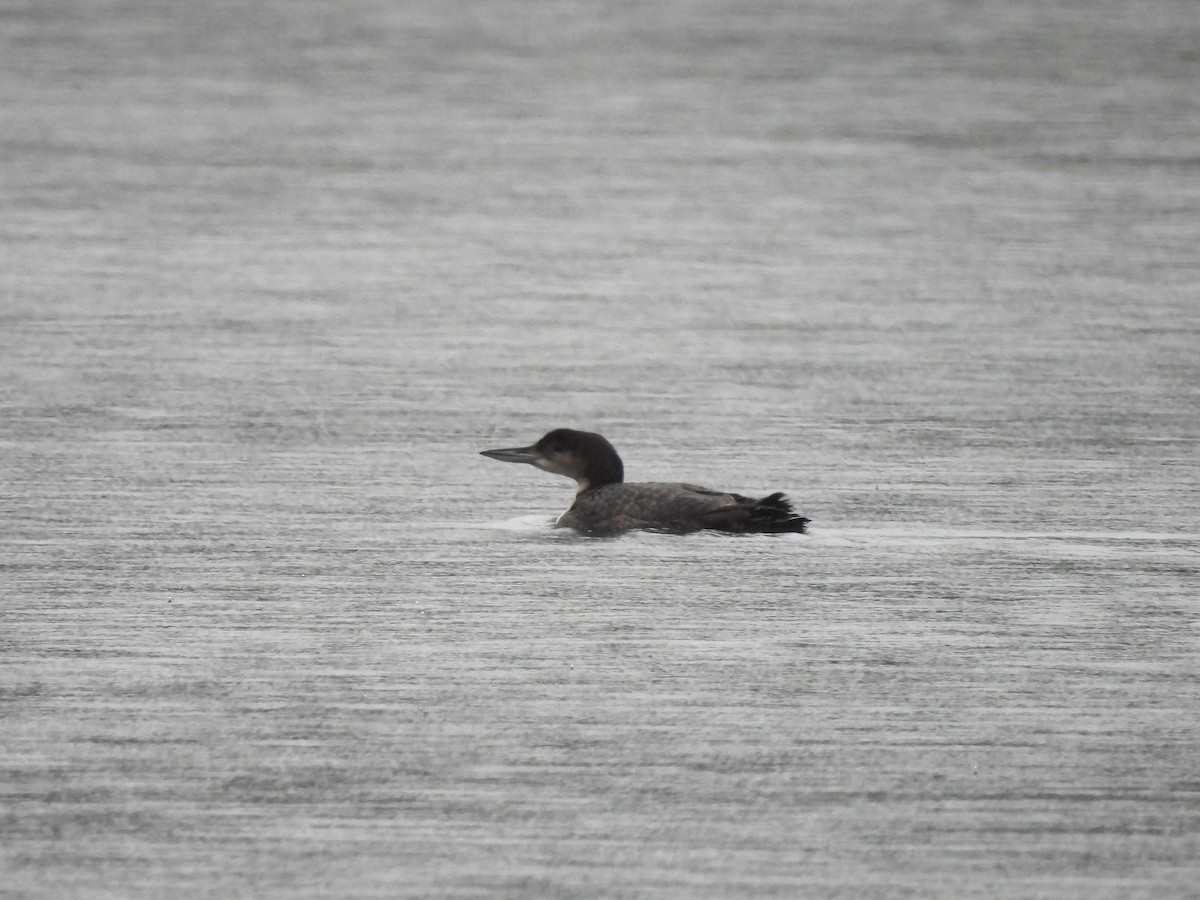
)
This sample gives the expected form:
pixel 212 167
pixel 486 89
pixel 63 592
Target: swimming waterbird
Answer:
pixel 605 504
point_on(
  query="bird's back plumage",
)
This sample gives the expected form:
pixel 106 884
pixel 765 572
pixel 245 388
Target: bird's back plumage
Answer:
pixel 669 506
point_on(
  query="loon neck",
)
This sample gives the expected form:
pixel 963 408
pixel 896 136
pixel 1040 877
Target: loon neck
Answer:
pixel 603 466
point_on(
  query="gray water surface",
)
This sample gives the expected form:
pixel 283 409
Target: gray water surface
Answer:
pixel 274 273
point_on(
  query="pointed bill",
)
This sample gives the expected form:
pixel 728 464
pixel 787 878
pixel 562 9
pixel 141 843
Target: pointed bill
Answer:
pixel 515 455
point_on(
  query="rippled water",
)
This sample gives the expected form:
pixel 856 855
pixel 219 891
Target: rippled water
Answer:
pixel 275 275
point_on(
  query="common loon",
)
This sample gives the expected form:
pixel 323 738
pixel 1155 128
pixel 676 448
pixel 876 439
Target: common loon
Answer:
pixel 605 504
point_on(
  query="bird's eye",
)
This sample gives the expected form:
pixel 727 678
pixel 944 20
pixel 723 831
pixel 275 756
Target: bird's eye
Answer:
pixel 556 448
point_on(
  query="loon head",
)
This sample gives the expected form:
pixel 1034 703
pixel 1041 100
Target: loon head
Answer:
pixel 582 455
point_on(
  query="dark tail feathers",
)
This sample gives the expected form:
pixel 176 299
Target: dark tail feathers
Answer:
pixel 770 515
